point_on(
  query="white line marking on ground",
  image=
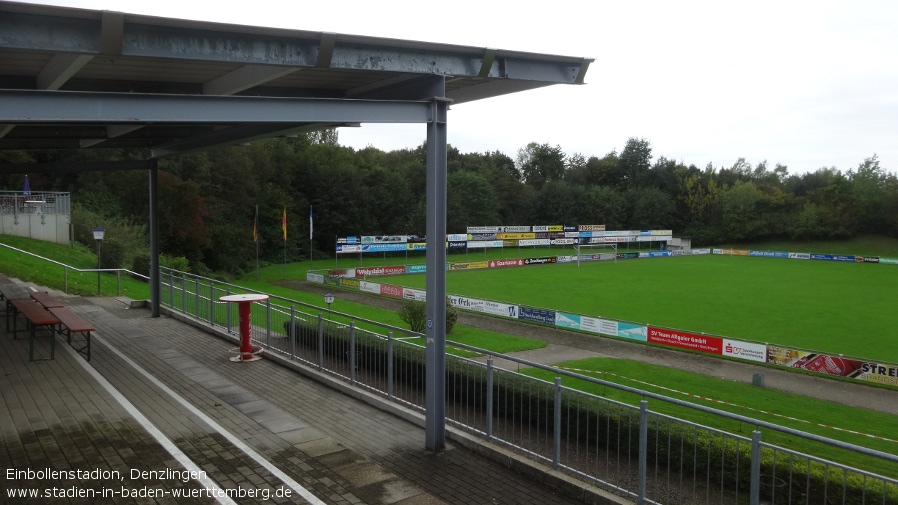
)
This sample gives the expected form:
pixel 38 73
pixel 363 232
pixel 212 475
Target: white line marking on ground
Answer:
pixel 249 451
pixel 164 441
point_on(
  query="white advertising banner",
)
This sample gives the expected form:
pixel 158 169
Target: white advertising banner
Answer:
pixel 369 287
pixel 316 278
pixel 745 350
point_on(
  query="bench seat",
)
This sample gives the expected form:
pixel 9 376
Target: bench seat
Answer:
pixel 71 324
pixel 35 315
pixel 44 298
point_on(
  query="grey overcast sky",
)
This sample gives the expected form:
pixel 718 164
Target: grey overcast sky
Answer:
pixel 806 84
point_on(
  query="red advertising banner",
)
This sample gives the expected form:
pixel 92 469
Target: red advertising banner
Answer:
pixel 506 263
pixel 685 340
pixel 388 290
pixel 370 272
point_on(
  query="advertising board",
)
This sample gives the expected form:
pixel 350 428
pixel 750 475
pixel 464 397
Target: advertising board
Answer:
pixel 469 265
pixel 316 278
pixel 394 291
pixel 414 294
pixel 534 242
pixel 506 263
pixel 876 372
pixel 377 271
pixel 685 340
pixel 482 229
pixel 540 261
pixel 369 287
pixel 514 229
pixel 484 244
pixel 537 315
pixel 372 248
pixel 745 350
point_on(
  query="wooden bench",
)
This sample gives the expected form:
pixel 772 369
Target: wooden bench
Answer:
pixel 8 293
pixel 44 298
pixel 35 316
pixel 71 324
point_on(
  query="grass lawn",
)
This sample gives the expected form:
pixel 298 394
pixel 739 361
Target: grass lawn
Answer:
pixel 835 307
pixel 747 400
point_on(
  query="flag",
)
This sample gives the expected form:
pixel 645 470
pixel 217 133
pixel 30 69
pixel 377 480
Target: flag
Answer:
pixel 310 222
pixel 284 224
pixel 256 226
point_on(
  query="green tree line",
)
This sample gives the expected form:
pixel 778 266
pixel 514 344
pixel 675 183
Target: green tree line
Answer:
pixel 208 200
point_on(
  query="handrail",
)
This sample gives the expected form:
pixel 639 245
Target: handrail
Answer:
pixel 117 271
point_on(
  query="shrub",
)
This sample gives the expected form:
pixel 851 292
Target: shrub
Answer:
pixel 112 253
pixel 414 313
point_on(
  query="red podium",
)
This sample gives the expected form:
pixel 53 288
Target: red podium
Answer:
pixel 246 351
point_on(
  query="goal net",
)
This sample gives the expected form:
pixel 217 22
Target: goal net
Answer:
pixel 596 252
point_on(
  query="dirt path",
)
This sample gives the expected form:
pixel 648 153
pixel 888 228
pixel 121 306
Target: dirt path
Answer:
pixel 564 345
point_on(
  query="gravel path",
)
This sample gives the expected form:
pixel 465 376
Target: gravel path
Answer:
pixel 565 345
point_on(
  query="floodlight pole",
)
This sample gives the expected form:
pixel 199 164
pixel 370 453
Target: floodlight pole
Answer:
pixel 435 345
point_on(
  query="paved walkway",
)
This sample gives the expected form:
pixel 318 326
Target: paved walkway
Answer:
pixel 159 415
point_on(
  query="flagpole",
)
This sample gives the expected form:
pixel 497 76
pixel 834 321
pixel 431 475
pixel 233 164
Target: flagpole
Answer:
pixel 256 239
pixel 284 229
pixel 311 247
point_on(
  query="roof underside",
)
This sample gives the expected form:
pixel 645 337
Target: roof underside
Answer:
pixel 73 78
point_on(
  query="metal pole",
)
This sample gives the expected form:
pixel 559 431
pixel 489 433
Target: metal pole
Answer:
pixel 352 360
pixel 556 435
pixel 155 280
pixel 99 255
pixel 755 493
pixel 292 331
pixel 320 343
pixel 489 398
pixel 390 365
pixel 435 344
pixel 643 450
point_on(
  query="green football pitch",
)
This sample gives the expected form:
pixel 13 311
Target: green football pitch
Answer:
pixel 839 308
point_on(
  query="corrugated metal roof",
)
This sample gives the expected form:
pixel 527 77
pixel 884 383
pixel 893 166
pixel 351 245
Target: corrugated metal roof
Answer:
pixel 52 57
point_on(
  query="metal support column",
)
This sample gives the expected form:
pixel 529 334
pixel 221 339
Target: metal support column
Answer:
pixel 435 346
pixel 155 280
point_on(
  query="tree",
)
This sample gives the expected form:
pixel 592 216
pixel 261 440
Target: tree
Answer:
pixel 741 219
pixel 635 161
pixel 650 209
pixel 541 163
pixel 470 201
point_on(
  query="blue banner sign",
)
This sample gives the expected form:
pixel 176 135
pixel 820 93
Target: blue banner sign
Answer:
pixel 537 315
pixel 402 246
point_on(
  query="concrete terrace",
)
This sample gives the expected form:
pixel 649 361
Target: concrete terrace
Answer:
pixel 160 412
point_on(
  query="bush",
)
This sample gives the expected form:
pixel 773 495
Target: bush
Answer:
pixel 141 263
pixel 414 313
pixel 112 253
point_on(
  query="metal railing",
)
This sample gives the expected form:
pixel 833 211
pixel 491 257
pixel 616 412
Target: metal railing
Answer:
pixel 43 202
pixel 67 268
pixel 642 454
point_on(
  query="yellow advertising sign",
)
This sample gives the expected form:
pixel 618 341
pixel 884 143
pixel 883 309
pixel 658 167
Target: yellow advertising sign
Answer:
pixel 515 236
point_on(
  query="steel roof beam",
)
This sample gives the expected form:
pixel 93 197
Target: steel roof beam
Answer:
pixel 23 107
